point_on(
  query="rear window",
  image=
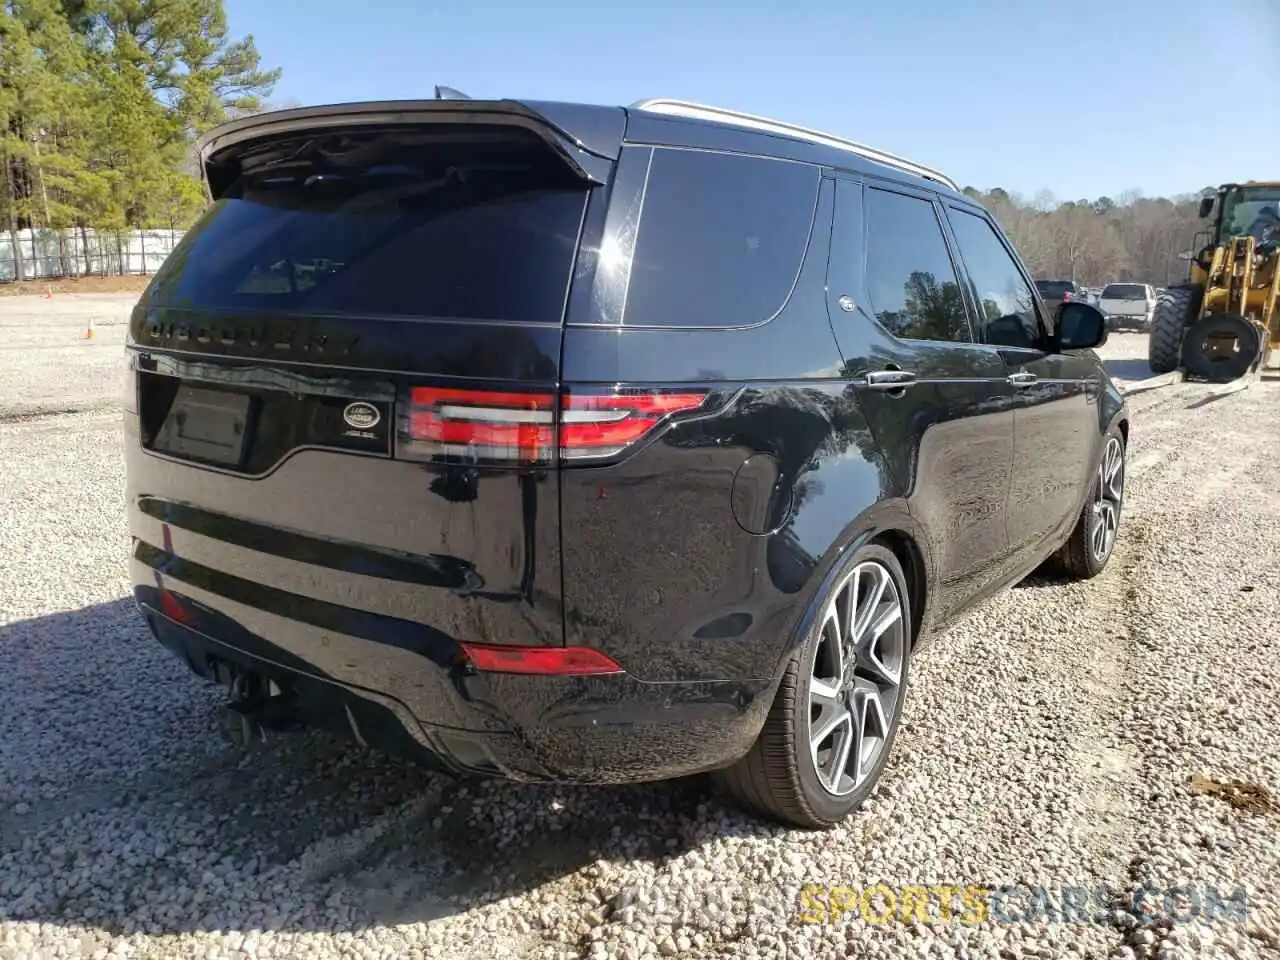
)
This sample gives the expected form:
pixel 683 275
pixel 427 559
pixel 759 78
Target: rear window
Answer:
pixel 1125 291
pixel 458 223
pixel 721 239
pixel 1054 288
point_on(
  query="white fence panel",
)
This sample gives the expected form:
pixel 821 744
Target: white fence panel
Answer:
pixel 52 254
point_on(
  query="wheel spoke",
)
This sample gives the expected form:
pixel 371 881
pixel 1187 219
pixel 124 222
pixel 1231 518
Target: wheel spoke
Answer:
pixel 886 620
pixel 864 612
pixel 872 727
pixel 832 626
pixel 1115 488
pixel 823 692
pixel 1099 532
pixel 837 726
pixel 839 763
pixel 850 598
pixel 884 668
pixel 830 718
pixel 1113 485
pixel 828 664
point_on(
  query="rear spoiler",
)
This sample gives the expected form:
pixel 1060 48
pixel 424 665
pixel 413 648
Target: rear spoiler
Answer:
pixel 587 138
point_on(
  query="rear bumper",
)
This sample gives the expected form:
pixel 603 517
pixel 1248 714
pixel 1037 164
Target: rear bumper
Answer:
pixel 1123 320
pixel 602 729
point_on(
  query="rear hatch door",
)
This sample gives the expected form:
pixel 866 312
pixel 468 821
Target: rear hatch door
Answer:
pixel 345 379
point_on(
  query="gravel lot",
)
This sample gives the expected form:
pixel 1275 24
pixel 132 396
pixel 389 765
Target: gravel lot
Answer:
pixel 1050 741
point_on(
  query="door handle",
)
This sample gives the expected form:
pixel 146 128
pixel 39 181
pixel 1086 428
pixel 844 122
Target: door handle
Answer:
pixel 890 379
pixel 1022 378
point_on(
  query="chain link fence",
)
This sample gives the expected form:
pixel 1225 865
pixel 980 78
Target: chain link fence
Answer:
pixel 59 254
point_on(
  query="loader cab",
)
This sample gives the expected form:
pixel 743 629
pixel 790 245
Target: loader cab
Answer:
pixel 1236 208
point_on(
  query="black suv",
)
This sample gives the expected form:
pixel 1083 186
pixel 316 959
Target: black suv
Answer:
pixel 1054 293
pixel 599 444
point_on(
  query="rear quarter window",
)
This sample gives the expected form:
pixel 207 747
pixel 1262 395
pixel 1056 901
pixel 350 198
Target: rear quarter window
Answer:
pixel 721 238
pixel 1125 291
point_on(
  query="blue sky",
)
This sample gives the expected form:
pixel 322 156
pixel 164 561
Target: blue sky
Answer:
pixel 1083 98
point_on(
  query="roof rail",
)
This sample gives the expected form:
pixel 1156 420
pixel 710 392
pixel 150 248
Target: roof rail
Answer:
pixel 699 111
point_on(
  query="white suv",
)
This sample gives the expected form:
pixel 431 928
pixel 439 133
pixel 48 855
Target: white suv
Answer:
pixel 1128 305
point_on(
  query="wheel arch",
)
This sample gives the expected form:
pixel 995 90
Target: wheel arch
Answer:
pixel 889 524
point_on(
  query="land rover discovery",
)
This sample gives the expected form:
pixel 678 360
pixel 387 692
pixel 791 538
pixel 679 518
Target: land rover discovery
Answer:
pixel 597 444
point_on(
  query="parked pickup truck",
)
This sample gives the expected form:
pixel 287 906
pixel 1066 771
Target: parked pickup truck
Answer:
pixel 1127 306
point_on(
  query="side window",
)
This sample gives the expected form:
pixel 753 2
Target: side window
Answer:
pixel 1006 304
pixel 721 239
pixel 910 278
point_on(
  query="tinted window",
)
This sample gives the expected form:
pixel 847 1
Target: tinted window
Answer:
pixel 467 226
pixel 721 238
pixel 910 278
pixel 1053 289
pixel 1125 291
pixel 1006 304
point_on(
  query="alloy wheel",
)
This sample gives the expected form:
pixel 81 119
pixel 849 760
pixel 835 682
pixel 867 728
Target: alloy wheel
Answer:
pixel 856 679
pixel 1108 495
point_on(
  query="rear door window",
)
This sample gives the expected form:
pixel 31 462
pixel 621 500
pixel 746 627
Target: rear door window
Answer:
pixel 721 238
pixel 911 281
pixel 457 224
pixel 1007 313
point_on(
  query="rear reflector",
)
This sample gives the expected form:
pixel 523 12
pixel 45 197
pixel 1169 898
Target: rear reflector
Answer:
pixel 544 661
pixel 523 427
pixel 172 607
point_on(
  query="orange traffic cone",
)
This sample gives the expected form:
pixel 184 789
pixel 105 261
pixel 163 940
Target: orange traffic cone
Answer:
pixel 48 291
pixel 88 331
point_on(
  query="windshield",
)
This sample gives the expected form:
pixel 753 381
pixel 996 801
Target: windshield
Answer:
pixel 1242 206
pixel 1125 291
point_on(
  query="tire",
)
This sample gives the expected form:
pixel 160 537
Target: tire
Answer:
pixel 779 776
pixel 1199 363
pixel 1174 310
pixel 1081 558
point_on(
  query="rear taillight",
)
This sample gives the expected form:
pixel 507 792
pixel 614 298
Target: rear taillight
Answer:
pixel 445 422
pixel 543 661
pixel 526 427
pixel 594 425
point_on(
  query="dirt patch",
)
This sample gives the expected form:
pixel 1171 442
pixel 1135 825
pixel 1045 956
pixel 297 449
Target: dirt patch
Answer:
pixel 1249 797
pixel 40 288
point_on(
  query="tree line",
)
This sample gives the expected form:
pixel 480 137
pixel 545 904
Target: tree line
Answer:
pixel 100 101
pixel 1096 242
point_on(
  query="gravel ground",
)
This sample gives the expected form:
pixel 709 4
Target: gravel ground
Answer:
pixel 1050 741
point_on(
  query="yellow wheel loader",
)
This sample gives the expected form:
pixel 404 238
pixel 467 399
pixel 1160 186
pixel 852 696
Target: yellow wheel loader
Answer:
pixel 1223 322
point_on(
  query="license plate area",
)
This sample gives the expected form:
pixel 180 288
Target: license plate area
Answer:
pixel 209 426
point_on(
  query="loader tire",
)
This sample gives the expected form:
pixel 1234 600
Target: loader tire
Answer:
pixel 1218 367
pixel 1174 310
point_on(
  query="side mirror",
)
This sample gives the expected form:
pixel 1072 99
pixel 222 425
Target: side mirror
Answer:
pixel 1206 206
pixel 1080 326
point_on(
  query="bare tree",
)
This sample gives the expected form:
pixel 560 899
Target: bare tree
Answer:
pixel 1099 241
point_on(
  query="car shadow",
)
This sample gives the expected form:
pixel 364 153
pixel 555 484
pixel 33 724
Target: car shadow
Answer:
pixel 1127 369
pixel 123 809
pixel 1043 576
